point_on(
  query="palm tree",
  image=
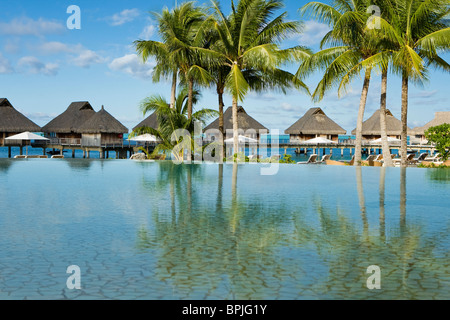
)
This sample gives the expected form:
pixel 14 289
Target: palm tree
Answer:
pixel 247 47
pixel 179 29
pixel 171 119
pixel 350 51
pixel 418 33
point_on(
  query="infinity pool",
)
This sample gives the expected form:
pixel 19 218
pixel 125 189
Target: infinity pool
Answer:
pixel 141 230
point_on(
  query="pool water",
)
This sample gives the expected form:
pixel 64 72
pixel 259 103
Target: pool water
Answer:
pixel 155 230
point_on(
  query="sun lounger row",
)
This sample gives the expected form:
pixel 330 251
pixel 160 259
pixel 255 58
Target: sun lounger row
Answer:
pixel 38 157
pixel 313 159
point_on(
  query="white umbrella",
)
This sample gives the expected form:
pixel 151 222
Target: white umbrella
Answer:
pixel 242 139
pixel 319 140
pixel 26 136
pixel 145 138
pixel 389 139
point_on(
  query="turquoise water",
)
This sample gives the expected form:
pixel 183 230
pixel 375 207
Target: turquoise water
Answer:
pixel 141 230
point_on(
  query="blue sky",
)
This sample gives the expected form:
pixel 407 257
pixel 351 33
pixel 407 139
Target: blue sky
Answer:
pixel 44 66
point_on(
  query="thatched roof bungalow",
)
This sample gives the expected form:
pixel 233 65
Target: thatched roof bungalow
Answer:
pixel 371 128
pixel 151 121
pixel 65 125
pixel 248 126
pixel 101 129
pixel 315 123
pixel 13 122
pixel 419 132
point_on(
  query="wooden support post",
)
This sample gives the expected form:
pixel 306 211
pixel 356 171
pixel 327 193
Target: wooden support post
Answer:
pixel 342 152
pixel 21 151
pixel 84 153
pixel 43 151
pixel 9 152
pixel 61 151
pixel 107 154
pixel 88 154
pixel 73 153
pixel 101 154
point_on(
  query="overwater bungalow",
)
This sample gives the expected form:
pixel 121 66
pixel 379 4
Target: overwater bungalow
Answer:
pixel 151 121
pixel 65 126
pixel 101 129
pixel 371 128
pixel 248 126
pixel 315 123
pixel 13 122
pixel 418 133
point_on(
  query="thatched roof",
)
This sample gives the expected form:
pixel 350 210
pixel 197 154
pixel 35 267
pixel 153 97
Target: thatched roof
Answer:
pixel 102 122
pixel 12 121
pixel 245 122
pixel 439 118
pixel 372 125
pixel 71 119
pixel 151 121
pixel 315 121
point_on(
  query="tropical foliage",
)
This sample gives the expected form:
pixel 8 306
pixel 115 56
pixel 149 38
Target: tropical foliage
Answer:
pixel 172 122
pixel 440 136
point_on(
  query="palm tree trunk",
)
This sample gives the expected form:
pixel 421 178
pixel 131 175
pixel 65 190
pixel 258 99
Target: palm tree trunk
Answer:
pixel 189 110
pixel 221 104
pixel 384 141
pixel 235 126
pixel 174 90
pixel 362 106
pixel 382 205
pixel 190 97
pixel 404 118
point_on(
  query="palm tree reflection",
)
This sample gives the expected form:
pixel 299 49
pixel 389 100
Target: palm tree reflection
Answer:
pixel 249 248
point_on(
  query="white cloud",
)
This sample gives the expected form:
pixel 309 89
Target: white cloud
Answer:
pixel 313 33
pixel 12 46
pixel 87 58
pixel 55 47
pixel 123 17
pixel 26 26
pixel 148 32
pixel 5 65
pixel 131 64
pixel 285 106
pixel 78 55
pixel 35 66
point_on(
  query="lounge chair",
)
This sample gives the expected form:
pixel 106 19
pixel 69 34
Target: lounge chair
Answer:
pixel 254 157
pixel 312 159
pixel 324 158
pixel 369 160
pixel 342 163
pixel 20 157
pixel 33 157
pixel 409 158
pixel 434 158
pixel 419 159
